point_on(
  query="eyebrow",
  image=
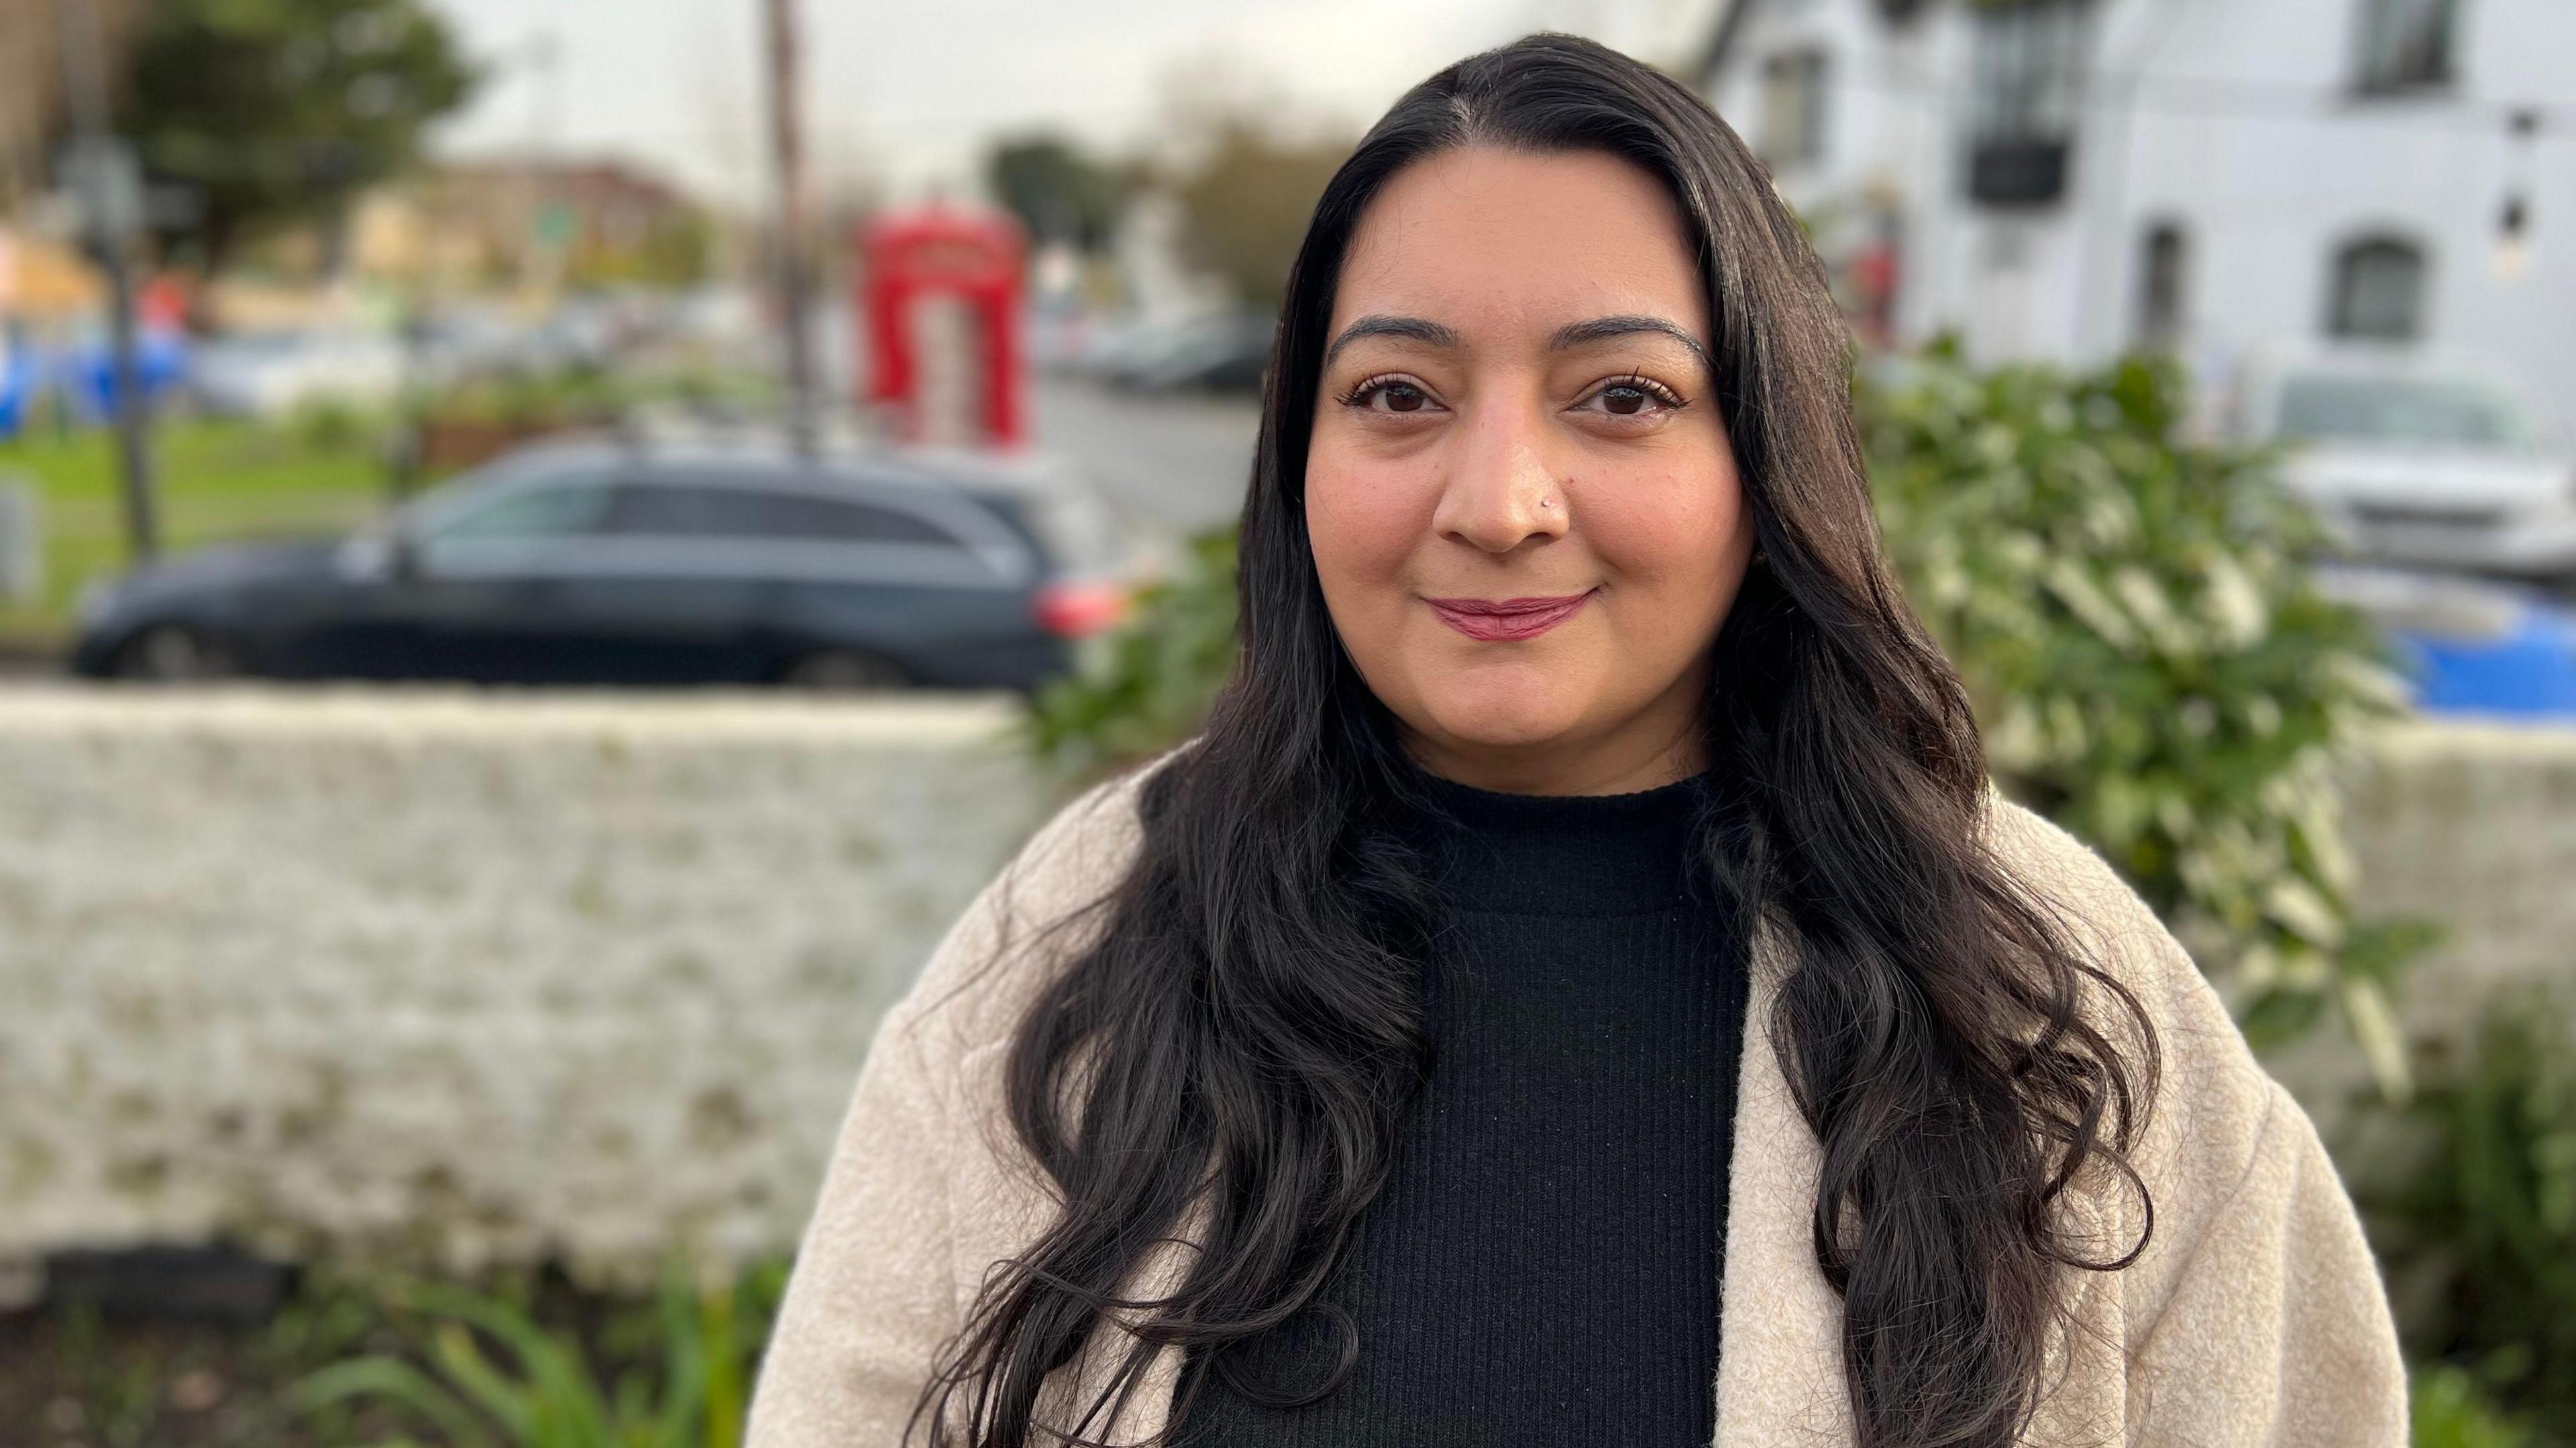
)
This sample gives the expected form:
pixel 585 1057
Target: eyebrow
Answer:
pixel 1411 329
pixel 1573 334
pixel 1602 329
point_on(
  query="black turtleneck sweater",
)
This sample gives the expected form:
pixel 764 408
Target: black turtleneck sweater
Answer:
pixel 1542 1267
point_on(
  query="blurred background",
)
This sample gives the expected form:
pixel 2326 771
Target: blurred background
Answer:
pixel 547 548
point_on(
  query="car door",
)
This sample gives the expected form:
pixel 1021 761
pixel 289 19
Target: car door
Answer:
pixel 677 587
pixel 920 575
pixel 713 575
pixel 479 596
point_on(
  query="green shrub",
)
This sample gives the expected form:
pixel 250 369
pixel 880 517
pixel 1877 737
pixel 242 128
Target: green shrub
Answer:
pixel 1151 685
pixel 2155 670
pixel 487 1374
pixel 2473 1209
pixel 2453 1410
pixel 566 397
pixel 334 424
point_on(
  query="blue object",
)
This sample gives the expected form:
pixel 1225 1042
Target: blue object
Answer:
pixel 160 364
pixel 2529 671
pixel 17 392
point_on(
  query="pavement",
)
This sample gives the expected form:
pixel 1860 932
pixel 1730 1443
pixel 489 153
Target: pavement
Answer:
pixel 1167 465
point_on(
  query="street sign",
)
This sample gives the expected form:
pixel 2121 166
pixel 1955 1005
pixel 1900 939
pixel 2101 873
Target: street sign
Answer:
pixel 106 181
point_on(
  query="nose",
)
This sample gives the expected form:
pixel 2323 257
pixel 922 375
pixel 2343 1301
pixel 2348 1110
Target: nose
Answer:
pixel 1499 478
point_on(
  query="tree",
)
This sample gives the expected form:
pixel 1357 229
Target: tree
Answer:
pixel 1246 201
pixel 278 111
pixel 1057 192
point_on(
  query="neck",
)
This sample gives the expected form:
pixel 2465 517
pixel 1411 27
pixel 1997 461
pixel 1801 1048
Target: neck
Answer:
pixel 1605 766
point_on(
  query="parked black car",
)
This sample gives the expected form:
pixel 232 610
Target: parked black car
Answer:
pixel 617 562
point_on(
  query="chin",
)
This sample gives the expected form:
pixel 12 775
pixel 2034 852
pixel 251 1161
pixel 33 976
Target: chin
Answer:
pixel 1498 714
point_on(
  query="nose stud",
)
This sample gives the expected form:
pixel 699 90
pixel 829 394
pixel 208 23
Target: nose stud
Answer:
pixel 1547 502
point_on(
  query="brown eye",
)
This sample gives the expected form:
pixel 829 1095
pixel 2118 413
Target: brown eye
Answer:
pixel 1402 397
pixel 1641 398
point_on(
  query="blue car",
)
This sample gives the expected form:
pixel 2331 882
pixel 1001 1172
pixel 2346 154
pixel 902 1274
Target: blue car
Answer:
pixel 609 561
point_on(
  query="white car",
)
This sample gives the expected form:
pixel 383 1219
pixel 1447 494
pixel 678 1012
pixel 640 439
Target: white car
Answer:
pixel 271 374
pixel 2430 462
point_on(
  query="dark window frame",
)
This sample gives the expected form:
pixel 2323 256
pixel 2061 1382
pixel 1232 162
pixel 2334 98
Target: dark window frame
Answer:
pixel 915 529
pixel 2029 69
pixel 443 525
pixel 2164 284
pixel 2345 316
pixel 1807 71
pixel 2406 47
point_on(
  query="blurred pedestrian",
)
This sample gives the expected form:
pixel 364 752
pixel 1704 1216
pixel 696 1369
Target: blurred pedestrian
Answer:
pixel 1580 986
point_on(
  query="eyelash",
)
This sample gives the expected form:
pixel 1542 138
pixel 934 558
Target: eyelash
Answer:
pixel 1368 388
pixel 1646 385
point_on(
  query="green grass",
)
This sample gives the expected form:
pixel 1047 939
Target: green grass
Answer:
pixel 216 481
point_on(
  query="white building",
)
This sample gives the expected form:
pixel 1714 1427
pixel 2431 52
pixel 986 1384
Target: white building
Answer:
pixel 2064 179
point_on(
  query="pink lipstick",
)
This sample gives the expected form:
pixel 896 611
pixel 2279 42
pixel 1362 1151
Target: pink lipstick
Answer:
pixel 1507 618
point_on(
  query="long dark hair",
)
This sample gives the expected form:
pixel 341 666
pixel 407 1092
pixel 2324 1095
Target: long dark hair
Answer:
pixel 1237 1043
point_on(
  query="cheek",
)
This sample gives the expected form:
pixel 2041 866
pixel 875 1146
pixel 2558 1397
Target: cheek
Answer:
pixel 1678 543
pixel 1363 527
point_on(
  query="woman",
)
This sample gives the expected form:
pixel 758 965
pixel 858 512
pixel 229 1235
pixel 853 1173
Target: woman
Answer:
pixel 1579 987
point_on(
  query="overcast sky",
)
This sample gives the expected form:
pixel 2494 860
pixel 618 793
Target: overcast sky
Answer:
pixel 909 93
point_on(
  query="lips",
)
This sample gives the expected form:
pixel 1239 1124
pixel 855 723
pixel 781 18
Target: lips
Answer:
pixel 1507 618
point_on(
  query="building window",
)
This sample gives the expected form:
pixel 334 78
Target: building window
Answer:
pixel 2026 90
pixel 1793 109
pixel 2378 291
pixel 2407 45
pixel 2164 279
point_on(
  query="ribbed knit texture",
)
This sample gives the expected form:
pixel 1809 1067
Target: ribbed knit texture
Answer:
pixel 1543 1266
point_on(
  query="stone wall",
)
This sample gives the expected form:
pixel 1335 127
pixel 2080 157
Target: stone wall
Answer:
pixel 462 976
pixel 2473 827
pixel 456 976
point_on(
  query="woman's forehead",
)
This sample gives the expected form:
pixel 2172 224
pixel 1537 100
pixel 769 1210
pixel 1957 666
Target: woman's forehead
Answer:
pixel 1500 245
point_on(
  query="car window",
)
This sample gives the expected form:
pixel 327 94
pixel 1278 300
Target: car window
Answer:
pixel 683 510
pixel 544 510
pixel 2403 412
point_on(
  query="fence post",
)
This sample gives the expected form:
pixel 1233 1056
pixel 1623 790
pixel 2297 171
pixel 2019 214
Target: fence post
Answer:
pixel 22 540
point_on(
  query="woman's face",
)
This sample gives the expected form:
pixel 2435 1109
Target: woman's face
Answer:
pixel 1524 511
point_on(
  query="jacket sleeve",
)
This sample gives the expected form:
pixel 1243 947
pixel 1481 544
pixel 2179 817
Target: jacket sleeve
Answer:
pixel 2254 1316
pixel 871 1296
pixel 2276 1331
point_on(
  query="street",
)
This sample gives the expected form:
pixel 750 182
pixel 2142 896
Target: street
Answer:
pixel 1167 465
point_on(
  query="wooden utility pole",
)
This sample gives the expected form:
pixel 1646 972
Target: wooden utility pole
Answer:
pixel 795 278
pixel 102 170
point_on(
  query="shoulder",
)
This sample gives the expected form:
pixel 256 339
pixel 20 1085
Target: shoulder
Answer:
pixel 2253 1290
pixel 2214 1109
pixel 1039 909
pixel 2118 932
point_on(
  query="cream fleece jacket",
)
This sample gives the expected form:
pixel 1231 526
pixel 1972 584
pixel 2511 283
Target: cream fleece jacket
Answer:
pixel 2255 1315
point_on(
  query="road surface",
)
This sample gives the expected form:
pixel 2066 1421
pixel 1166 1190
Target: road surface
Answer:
pixel 1167 465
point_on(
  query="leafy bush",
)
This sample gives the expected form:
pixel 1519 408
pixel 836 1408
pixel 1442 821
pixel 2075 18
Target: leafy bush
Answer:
pixel 334 424
pixel 1152 684
pixel 684 1386
pixel 2474 1210
pixel 2452 1409
pixel 2154 669
pixel 563 397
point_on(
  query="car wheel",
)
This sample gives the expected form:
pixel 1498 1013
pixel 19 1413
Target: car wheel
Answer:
pixel 840 669
pixel 168 653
